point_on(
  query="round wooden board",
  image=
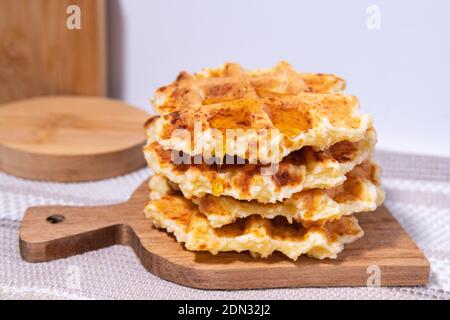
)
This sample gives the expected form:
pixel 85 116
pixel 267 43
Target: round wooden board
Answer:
pixel 71 138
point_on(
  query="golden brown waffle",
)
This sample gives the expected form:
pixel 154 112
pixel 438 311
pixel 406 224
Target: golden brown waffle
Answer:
pixel 303 109
pixel 300 170
pixel 231 82
pixel 361 192
pixel 261 237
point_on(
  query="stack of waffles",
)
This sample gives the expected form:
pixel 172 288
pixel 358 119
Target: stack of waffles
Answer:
pixel 260 161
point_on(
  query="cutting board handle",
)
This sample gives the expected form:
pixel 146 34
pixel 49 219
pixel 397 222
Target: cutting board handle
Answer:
pixel 52 232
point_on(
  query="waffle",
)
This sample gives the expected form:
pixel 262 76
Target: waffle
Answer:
pixel 300 170
pixel 230 81
pixel 261 161
pixel 361 192
pixel 302 109
pixel 261 237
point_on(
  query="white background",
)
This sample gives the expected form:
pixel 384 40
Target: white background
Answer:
pixel 400 72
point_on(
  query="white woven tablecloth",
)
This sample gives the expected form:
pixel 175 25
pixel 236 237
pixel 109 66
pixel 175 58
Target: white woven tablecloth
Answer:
pixel 418 194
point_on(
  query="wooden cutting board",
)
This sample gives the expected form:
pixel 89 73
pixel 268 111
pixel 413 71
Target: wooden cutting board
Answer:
pixel 39 55
pixel 71 138
pixel 54 232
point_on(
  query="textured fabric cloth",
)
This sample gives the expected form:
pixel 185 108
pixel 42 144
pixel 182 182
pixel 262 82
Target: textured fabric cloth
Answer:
pixel 418 194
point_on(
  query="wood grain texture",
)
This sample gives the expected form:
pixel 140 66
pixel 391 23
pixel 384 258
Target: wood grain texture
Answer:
pixel 71 138
pixel 385 244
pixel 40 56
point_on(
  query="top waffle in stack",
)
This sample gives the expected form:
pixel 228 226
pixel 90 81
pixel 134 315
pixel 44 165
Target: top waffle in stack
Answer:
pixel 306 109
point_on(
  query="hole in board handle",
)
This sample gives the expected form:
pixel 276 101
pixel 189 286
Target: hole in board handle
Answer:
pixel 55 219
